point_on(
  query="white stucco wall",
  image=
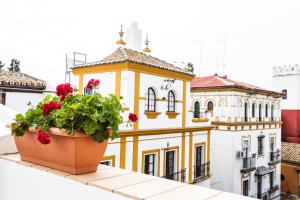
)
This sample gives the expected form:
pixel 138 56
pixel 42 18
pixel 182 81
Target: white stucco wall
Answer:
pixel 291 83
pixel 107 82
pixel 20 182
pixel 155 82
pixel 226 167
pixel 18 101
pixel 232 104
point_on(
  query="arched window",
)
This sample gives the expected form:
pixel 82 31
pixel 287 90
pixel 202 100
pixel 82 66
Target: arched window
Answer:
pixel 171 101
pixel 150 100
pixel 210 107
pixel 272 112
pixel 259 112
pixel 246 112
pixel 267 111
pixel 253 110
pixel 197 109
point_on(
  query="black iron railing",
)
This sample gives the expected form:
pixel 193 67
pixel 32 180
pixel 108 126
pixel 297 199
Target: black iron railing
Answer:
pixel 201 172
pixel 274 157
pixel 262 195
pixel 273 188
pixel 249 164
pixel 176 176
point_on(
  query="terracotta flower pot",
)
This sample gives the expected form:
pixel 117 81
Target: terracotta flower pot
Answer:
pixel 76 154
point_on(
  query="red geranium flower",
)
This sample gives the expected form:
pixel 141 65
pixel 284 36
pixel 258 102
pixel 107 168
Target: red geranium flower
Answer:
pixel 132 117
pixel 93 83
pixel 49 107
pixel 64 89
pixel 42 137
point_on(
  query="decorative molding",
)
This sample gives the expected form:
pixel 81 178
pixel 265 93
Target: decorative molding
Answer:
pixel 135 152
pixel 123 152
pixel 160 131
pixel 172 115
pixel 125 108
pixel 111 158
pixel 152 115
pixel 147 152
pixel 286 70
pixel 160 99
pixel 136 67
pixel 196 120
pixel 232 89
pixel 173 148
pixel 118 83
pixel 137 77
pixel 80 83
pixel 183 123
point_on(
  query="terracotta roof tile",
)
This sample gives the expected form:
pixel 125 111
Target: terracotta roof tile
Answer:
pixel 125 54
pixel 290 152
pixel 10 79
pixel 222 82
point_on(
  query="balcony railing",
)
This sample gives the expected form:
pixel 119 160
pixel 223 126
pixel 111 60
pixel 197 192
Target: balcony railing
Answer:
pixel 262 195
pixel 274 157
pixel 176 176
pixel 249 165
pixel 273 188
pixel 201 172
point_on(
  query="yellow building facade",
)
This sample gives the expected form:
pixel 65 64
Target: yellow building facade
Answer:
pixel 164 141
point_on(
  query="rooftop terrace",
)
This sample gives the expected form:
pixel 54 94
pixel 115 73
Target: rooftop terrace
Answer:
pixel 23 180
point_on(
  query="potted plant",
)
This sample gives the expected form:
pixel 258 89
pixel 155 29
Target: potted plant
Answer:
pixel 69 132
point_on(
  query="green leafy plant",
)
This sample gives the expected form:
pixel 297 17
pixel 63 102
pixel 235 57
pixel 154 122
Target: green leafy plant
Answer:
pixel 92 114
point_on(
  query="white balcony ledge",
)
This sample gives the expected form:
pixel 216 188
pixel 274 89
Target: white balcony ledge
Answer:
pixel 23 180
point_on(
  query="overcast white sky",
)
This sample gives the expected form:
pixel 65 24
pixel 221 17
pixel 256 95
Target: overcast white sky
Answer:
pixel 259 34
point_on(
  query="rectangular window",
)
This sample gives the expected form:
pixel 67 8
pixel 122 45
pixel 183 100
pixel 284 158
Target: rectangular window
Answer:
pixel 284 94
pixel 246 147
pixel 2 97
pixel 88 91
pixel 260 150
pixel 245 187
pixel 253 110
pixel 170 165
pixel 106 162
pixel 272 144
pixel 259 187
pixel 200 169
pixel 271 179
pixel 149 167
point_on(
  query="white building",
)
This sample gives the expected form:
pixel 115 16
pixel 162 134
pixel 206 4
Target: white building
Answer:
pixel 245 147
pixel 17 89
pixel 286 79
pixel 164 141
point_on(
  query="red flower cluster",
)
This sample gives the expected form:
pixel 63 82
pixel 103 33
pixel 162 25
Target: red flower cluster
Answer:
pixel 93 83
pixel 132 117
pixel 49 107
pixel 42 137
pixel 62 90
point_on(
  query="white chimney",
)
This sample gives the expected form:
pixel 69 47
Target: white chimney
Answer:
pixel 133 37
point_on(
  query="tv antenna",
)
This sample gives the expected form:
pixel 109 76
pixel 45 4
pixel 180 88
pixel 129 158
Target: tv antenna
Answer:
pixel 224 55
pixel 200 55
pixel 78 58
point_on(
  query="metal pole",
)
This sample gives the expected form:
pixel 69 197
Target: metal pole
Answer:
pixel 200 63
pixel 66 68
pixel 224 54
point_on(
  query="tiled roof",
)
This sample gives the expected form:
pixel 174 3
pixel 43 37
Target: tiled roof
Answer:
pixel 217 81
pixel 290 152
pixel 10 79
pixel 125 54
